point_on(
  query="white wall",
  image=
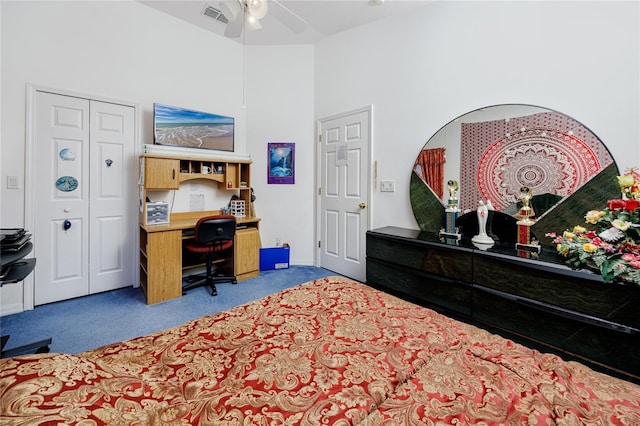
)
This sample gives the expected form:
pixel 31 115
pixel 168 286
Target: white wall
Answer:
pixel 118 50
pixel 280 109
pixel 423 70
pixel 579 58
pixel 128 51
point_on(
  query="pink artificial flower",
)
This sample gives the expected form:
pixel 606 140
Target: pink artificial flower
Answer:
pixel 596 241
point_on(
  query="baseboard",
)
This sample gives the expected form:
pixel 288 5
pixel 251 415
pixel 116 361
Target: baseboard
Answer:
pixel 11 309
pixel 298 262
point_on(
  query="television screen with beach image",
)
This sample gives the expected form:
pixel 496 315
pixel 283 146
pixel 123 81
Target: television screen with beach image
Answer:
pixel 194 129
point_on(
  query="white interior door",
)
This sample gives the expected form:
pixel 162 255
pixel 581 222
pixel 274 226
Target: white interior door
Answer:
pixel 61 177
pixel 82 206
pixel 113 168
pixel 344 193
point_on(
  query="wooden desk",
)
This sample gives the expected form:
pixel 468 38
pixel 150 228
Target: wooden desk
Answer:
pixel 161 254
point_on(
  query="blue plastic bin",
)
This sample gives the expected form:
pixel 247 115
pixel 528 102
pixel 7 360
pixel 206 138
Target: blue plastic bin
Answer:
pixel 274 258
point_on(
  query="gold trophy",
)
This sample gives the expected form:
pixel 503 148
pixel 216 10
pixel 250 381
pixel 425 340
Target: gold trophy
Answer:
pixel 450 231
pixel 525 246
pixel 526 211
pixel 452 185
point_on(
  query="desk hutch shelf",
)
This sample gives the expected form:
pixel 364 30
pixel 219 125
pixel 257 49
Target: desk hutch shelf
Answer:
pixel 161 261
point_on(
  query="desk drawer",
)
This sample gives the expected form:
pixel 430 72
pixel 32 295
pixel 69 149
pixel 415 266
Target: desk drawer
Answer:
pixel 247 253
pixel 163 265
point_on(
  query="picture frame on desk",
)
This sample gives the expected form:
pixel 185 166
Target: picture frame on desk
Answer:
pixel 281 164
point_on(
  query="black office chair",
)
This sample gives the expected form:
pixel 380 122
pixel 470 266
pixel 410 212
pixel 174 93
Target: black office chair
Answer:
pixel 213 239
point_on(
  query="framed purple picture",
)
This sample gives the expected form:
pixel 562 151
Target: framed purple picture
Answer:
pixel 281 165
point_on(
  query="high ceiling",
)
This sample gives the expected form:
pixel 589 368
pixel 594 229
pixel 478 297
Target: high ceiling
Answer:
pixel 324 17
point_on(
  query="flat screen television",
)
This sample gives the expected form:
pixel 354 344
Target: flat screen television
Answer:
pixel 194 129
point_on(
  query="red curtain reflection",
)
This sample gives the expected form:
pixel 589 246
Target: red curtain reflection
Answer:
pixel 431 162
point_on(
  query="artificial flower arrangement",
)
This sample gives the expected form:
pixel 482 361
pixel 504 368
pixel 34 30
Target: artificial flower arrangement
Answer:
pixel 614 247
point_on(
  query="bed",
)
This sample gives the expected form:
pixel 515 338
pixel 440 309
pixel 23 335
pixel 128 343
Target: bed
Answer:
pixel 328 352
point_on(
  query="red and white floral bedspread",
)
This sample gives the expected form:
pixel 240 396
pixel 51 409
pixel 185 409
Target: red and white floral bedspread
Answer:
pixel 328 352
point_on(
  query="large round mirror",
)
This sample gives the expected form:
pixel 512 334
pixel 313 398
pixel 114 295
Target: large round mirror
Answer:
pixel 492 152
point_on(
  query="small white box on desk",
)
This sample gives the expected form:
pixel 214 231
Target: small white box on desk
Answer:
pixel 238 208
pixel 157 213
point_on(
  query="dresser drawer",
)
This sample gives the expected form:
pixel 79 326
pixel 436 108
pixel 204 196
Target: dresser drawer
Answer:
pixel 558 285
pixel 598 340
pixel 440 293
pixel 454 264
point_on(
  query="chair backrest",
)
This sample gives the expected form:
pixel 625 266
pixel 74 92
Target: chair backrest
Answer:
pixel 212 229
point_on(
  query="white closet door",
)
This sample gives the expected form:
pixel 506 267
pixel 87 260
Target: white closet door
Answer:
pixel 83 177
pixel 61 185
pixel 113 168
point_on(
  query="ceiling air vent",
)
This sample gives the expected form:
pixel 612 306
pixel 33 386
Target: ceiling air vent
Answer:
pixel 214 13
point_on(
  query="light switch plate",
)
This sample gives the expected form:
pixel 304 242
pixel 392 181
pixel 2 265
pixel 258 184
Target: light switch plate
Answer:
pixel 12 182
pixel 387 186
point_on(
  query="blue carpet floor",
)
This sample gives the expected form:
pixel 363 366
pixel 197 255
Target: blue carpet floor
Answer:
pixel 88 322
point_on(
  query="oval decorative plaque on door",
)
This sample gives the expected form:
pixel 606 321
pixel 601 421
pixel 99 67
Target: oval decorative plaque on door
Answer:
pixel 67 184
pixel 66 154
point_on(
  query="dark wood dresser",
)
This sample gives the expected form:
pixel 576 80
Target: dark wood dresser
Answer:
pixel 539 302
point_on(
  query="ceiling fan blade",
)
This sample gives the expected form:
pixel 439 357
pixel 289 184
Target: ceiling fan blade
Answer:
pixel 234 12
pixel 288 18
pixel 234 28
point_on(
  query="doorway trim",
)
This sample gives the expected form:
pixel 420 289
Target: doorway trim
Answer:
pixel 318 180
pixel 28 298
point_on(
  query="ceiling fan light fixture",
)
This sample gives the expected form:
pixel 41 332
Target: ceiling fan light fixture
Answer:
pixel 252 23
pixel 257 8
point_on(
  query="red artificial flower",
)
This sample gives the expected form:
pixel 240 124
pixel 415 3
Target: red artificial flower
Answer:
pixel 616 204
pixel 631 205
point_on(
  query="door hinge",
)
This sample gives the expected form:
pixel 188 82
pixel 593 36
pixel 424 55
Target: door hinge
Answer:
pixel 319 243
pixel 319 138
pixel 319 190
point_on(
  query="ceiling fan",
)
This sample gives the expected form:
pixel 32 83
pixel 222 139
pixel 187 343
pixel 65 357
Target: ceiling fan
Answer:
pixel 246 14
